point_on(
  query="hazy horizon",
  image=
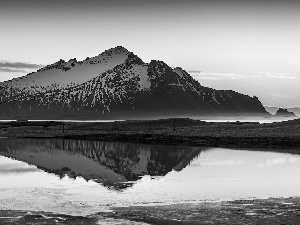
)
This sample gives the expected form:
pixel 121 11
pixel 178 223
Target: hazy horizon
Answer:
pixel 247 46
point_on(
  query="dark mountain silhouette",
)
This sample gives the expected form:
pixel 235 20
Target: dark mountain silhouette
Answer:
pixel 273 110
pixel 294 110
pixel 117 85
pixel 281 113
pixel 114 165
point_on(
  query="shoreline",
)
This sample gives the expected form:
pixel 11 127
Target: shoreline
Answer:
pixel 187 132
pixel 202 141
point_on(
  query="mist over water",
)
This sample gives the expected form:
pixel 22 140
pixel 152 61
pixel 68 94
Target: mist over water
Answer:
pixel 206 119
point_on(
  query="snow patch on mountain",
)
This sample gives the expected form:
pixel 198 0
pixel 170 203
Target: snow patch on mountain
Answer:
pixel 142 72
pixel 179 71
pixel 214 97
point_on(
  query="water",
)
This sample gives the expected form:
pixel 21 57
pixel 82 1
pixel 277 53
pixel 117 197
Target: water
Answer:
pixel 250 120
pixel 84 177
pixel 68 121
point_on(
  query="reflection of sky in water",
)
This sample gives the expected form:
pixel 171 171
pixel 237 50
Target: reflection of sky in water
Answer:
pixel 282 160
pixel 216 174
pixel 7 166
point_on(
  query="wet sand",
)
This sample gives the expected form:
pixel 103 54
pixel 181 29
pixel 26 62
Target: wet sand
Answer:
pixel 23 217
pixel 269 211
pixel 259 211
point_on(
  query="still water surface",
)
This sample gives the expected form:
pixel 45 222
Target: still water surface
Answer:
pixel 84 177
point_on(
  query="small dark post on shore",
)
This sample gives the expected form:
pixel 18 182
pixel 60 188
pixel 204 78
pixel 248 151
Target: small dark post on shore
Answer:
pixel 174 129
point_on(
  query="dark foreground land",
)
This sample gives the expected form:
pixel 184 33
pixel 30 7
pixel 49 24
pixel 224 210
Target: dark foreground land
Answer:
pixel 269 211
pixel 187 132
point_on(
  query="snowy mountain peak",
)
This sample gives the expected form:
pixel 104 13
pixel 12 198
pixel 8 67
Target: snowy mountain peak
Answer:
pixel 73 60
pixel 115 51
pixel 57 65
pixel 134 59
pixel 158 63
pixel 73 72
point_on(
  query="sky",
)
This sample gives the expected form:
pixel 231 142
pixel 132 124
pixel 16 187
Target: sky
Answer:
pixel 249 46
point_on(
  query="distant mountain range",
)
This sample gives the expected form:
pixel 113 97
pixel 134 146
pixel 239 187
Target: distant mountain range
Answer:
pixel 117 84
pixel 274 109
pixel 281 113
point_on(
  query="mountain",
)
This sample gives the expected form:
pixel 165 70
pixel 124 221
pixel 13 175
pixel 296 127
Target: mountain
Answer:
pixel 284 113
pixel 117 84
pixel 271 109
pixel 294 110
pixel 114 165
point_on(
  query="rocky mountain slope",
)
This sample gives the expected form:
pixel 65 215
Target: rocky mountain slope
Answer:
pixel 117 85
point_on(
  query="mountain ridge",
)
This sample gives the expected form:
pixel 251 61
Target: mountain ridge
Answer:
pixel 117 84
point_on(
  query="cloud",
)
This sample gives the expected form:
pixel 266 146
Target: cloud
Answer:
pixel 18 67
pixel 219 76
pixel 194 71
pixel 210 78
pixel 278 75
pixel 16 168
pixel 22 65
pixel 19 170
pixel 8 70
pixel 281 77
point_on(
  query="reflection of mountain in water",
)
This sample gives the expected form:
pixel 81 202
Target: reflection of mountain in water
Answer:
pixel 108 163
